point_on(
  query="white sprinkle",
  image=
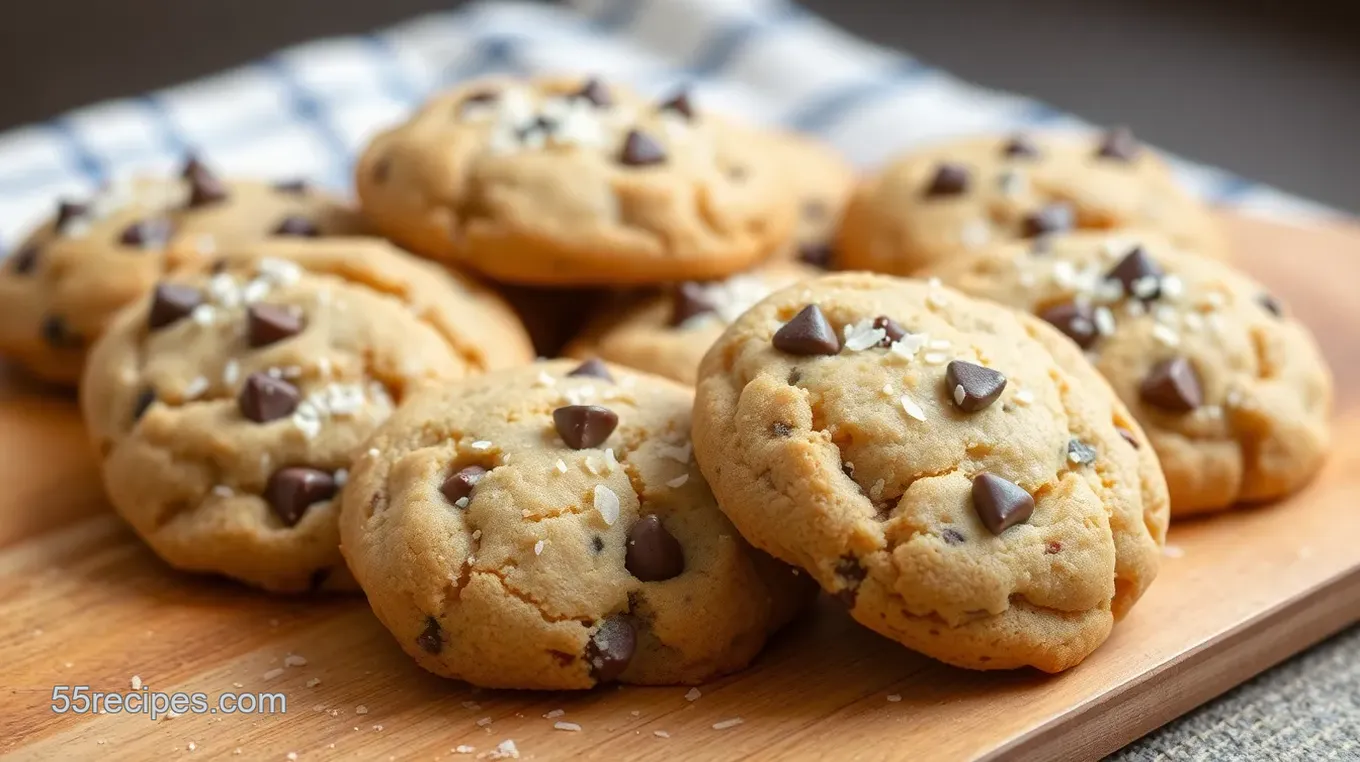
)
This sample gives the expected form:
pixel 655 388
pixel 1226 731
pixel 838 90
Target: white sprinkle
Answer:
pixel 887 390
pixel 461 502
pixel 554 714
pixel 1172 287
pixel 607 503
pixel 1081 325
pixel 914 410
pixel 505 750
pixel 280 271
pixel 936 358
pixel 1213 299
pixel 1193 321
pixel 293 660
pixel 273 673
pixel 592 466
pixel 483 722
pixel 661 734
pixel 1135 308
pixel 959 395
pixel 693 694
pixel 341 476
pixel 862 335
pixel 1024 397
pixel 196 388
pixel 725 724
pixel 373 452
pixel 939 344
pixel 292 756
pixel 610 461
pixel 894 697
pixel 538 548
pixel 231 371
pixel 678 481
pixel 1104 321
pixel 136 682
pixel 936 298
pixel 1064 273
pixel 909 345
pixel 1173 551
pixel 204 314
pixel 561 467
pixel 570 727
pixel 312 683
pixel 1165 335
pixel 975 234
pixel 1146 287
pixel 463 748
pixel 678 453
pixel 480 444
pixel 544 379
pixel 361 709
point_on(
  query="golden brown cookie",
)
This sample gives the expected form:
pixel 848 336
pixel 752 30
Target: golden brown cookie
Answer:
pixel 558 182
pixel 545 527
pixel 65 282
pixel 953 470
pixel 1233 393
pixel 958 196
pixel 226 407
pixel 668 333
pixel 822 180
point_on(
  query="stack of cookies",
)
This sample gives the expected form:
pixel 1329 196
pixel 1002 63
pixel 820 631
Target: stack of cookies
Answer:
pixel 977 450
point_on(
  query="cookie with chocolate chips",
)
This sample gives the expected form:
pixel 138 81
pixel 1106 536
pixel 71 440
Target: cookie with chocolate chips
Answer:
pixel 226 406
pixel 1232 392
pixel 64 283
pixel 570 182
pixel 668 333
pixel 912 449
pixel 959 196
pixel 545 527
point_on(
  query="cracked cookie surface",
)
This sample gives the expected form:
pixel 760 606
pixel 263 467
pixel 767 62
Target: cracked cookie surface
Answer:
pixel 227 406
pixel 64 283
pixel 668 333
pixel 953 470
pixel 964 194
pixel 557 181
pixel 546 527
pixel 1232 392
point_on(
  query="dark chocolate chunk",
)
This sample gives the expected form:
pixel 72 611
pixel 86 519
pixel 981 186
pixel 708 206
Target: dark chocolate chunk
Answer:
pixel 145 399
pixel 680 104
pixel 25 259
pixel 1053 218
pixel 653 553
pixel 204 187
pixel 1268 303
pixel 1020 147
pixel 1138 274
pixel 594 368
pixel 808 333
pixel 973 387
pixel 816 254
pixel 595 91
pixel 147 234
pixel 264 398
pixel 57 333
pixel 1077 321
pixel 999 503
pixel 292 187
pixel 297 225
pixel 584 426
pixel 170 303
pixel 610 649
pixel 431 639
pixel 689 299
pixel 460 485
pixel 268 323
pixel 292 490
pixel 1119 144
pixel 1172 385
pixel 952 536
pixel 949 180
pixel 67 212
pixel 892 330
pixel 640 150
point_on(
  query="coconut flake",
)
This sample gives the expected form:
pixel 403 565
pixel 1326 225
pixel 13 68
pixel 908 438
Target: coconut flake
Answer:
pixel 862 335
pixel 607 503
pixel 678 481
pixel 914 410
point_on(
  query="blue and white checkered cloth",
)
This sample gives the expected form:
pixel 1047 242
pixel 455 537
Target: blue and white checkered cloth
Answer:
pixel 306 111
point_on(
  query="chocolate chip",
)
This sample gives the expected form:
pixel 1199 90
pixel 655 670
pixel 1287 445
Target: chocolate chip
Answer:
pixel 1020 147
pixel 431 640
pixel 1053 218
pixel 999 503
pixel 1172 385
pixel 1268 303
pixel 596 544
pixel 268 323
pixel 892 330
pixel 264 398
pixel 67 212
pixel 170 303
pixel 1077 321
pixel 461 484
pixel 291 491
pixel 595 91
pixel 610 649
pixel 815 254
pixel 680 104
pixel 971 386
pixel 1080 453
pixel 148 233
pixel 297 225
pixel 58 334
pixel 640 150
pixel 689 300
pixel 781 429
pixel 952 536
pixel 949 180
pixel 1119 144
pixel 653 553
pixel 318 578
pixel 204 187
pixel 583 426
pixel 25 259
pixel 849 570
pixel 292 187
pixel 145 399
pixel 1128 436
pixel 1138 274
pixel 808 333
pixel 479 98
pixel 594 368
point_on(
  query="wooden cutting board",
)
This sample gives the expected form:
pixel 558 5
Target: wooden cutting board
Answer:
pixel 83 603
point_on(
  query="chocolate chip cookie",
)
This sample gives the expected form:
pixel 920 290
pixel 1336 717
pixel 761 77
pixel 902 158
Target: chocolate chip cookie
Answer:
pixel 226 406
pixel 959 196
pixel 545 527
pixel 1232 392
pixel 953 470
pixel 63 284
pixel 558 182
pixel 668 333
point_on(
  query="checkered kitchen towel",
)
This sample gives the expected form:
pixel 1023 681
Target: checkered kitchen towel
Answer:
pixel 306 111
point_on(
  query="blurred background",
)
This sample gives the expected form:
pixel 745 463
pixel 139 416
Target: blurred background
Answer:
pixel 1263 88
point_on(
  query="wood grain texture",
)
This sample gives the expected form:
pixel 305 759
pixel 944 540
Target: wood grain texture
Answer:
pixel 82 602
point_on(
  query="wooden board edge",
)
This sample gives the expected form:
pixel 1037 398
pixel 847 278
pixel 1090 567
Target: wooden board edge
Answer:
pixel 1198 675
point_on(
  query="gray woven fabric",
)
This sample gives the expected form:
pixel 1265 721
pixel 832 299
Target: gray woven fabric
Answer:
pixel 1305 709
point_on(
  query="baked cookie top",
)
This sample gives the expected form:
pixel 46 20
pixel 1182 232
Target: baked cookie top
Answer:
pixel 62 285
pixel 955 471
pixel 962 195
pixel 822 180
pixel 546 527
pixel 226 406
pixel 563 181
pixel 668 333
pixel 1232 392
